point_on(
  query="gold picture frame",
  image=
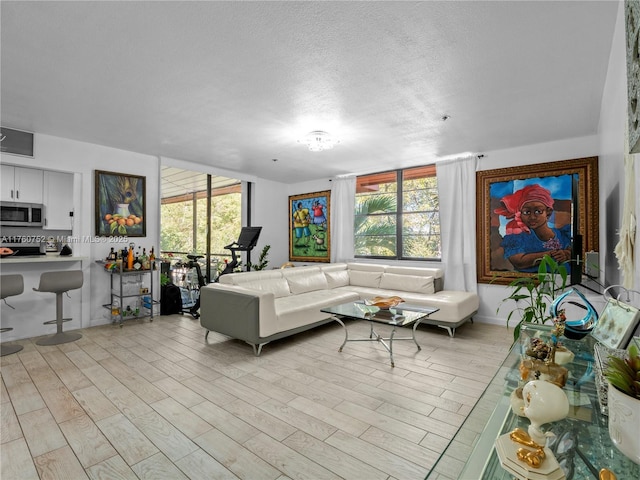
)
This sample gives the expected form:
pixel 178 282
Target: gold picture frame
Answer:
pixel 576 209
pixel 310 227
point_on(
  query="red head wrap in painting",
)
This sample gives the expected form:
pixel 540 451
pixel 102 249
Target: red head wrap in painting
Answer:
pixel 513 203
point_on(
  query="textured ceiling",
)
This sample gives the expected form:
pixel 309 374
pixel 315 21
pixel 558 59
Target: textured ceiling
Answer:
pixel 236 84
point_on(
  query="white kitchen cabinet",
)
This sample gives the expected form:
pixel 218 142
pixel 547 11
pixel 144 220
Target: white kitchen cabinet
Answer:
pixel 7 183
pixel 58 200
pixel 21 184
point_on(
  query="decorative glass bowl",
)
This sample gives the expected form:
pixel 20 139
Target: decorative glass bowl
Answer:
pixel 384 303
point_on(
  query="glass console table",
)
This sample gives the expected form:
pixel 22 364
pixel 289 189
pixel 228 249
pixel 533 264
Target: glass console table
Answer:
pixel 471 454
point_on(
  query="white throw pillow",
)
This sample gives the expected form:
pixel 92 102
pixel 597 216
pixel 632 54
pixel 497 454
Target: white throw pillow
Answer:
pixel 364 279
pixel 407 283
pixel 306 282
pixel 339 278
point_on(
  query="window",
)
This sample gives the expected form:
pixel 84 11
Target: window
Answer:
pixel 183 212
pixel 397 215
pixel 180 233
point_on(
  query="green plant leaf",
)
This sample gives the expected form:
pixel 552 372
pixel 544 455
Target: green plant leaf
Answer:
pixel 534 293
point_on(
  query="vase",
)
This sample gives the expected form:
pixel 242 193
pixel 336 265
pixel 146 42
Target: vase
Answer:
pixel 123 210
pixel 624 422
pixel 544 402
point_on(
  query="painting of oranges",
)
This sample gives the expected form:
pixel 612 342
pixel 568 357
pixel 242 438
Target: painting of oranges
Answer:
pixel 120 204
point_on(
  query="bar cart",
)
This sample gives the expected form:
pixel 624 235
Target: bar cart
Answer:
pixel 131 294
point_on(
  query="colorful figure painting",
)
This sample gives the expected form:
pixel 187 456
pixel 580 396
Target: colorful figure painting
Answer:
pixel 534 220
pixel 309 227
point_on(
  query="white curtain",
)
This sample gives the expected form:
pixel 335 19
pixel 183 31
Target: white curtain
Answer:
pixel 625 249
pixel 343 202
pixel 457 194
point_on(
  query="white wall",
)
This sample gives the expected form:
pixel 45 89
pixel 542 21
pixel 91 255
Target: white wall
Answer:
pixel 82 159
pixel 613 121
pixel 269 210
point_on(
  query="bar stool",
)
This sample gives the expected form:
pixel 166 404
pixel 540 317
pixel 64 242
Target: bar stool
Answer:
pixel 59 283
pixel 10 285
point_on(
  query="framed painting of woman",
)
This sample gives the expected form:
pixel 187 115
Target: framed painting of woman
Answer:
pixel 526 212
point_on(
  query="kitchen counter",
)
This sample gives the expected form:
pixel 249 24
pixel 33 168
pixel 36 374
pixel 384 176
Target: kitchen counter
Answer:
pixel 34 308
pixel 41 259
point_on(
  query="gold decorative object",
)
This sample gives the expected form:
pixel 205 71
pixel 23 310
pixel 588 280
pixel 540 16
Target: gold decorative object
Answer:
pixel 606 474
pixel 384 302
pixel 510 452
pixel 518 435
pixel 533 458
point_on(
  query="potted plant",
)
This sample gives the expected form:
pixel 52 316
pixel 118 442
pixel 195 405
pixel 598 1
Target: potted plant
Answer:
pixel 623 398
pixel 262 260
pixel 534 294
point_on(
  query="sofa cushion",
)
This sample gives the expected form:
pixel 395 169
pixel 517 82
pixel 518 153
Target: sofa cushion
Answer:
pixel 240 278
pixel 297 310
pixel 419 271
pixel 339 278
pixel 409 283
pixel 364 279
pixel 307 281
pixel 333 267
pixel 366 267
pixel 436 273
pixel 453 306
pixel 278 286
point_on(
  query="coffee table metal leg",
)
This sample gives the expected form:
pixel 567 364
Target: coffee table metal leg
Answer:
pixel 376 337
pixel 391 346
pixel 415 325
pixel 346 334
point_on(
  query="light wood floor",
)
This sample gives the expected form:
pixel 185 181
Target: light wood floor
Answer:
pixel 154 401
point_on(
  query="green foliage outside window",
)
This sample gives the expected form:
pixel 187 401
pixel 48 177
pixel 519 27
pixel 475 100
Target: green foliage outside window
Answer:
pixel 377 215
pixel 375 230
pixel 177 235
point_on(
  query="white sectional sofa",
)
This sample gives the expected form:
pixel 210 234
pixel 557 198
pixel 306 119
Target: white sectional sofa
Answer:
pixel 266 305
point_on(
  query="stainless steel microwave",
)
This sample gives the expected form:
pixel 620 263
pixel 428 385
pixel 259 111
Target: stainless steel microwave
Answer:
pixel 15 214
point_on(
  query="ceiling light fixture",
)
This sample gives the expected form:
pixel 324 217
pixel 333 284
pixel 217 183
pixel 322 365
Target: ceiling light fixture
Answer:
pixel 318 141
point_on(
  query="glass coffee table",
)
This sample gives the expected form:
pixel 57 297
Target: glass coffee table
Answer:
pixel 401 316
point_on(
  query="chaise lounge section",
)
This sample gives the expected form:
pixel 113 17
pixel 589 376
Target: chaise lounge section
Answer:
pixel 261 306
